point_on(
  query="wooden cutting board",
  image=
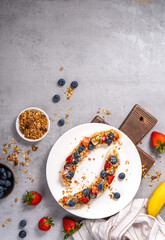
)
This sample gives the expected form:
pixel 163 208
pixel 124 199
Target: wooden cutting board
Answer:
pixel 136 125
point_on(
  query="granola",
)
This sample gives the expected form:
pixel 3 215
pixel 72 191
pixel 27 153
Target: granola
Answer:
pixel 33 124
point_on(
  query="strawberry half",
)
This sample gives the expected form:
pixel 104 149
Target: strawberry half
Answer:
pixel 95 190
pixel 84 199
pixel 45 223
pixel 116 135
pixel 158 141
pixel 32 198
pixel 107 165
pixel 85 141
pixel 110 179
pixel 70 227
pixel 69 159
pixel 103 139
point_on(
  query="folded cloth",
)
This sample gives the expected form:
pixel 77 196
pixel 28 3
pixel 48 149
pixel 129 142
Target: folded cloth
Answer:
pixel 131 223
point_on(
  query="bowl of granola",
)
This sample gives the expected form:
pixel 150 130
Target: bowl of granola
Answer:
pixel 32 124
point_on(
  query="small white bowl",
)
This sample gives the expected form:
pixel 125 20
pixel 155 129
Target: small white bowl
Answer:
pixel 22 135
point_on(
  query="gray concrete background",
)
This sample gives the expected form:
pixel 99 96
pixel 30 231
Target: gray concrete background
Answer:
pixel 114 49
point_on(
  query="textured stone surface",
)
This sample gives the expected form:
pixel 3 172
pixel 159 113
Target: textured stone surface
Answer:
pixel 114 49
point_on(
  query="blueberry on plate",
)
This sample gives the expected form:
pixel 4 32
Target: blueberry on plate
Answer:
pixel 100 186
pixel 70 174
pixel 86 192
pixel 113 159
pixel 111 136
pixel 22 223
pixel 76 154
pixel 117 195
pixel 74 84
pixel 22 234
pixel 111 171
pixel 108 141
pixel 61 82
pixel 9 174
pixel 103 173
pixel 1 189
pixel 91 146
pixel 93 195
pixel 75 161
pixel 7 183
pixel 68 166
pixel 4 175
pixel 81 148
pixel 56 98
pixel 61 122
pixel 71 203
pixel 1 194
pixel 2 170
pixel 121 175
pixel 2 182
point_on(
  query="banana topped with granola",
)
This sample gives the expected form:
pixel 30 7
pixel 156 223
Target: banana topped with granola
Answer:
pixel 84 148
pixel 96 188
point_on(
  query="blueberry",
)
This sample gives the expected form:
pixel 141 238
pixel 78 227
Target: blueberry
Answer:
pixel 70 174
pixel 61 82
pixel 81 148
pixel 2 182
pixel 71 203
pixel 111 136
pixel 4 189
pixel 93 195
pixel 4 175
pixel 22 234
pixel 108 141
pixel 76 154
pixel 102 122
pixel 111 171
pixel 121 175
pixel 1 194
pixel 75 161
pixel 113 159
pixel 91 146
pixel 68 166
pixel 22 223
pixel 103 173
pixel 2 170
pixel 7 183
pixel 100 186
pixel 86 192
pixel 61 122
pixel 74 84
pixel 1 189
pixel 9 174
pixel 116 195
pixel 56 98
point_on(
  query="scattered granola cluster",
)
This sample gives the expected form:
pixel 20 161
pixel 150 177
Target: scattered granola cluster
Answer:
pixel 107 112
pixel 33 124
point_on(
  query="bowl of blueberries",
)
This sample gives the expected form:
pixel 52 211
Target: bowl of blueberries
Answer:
pixel 7 181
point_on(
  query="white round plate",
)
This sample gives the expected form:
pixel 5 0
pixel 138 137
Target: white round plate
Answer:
pixel 102 206
pixel 21 134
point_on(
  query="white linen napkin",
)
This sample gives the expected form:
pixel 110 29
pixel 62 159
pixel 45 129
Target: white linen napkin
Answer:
pixel 131 223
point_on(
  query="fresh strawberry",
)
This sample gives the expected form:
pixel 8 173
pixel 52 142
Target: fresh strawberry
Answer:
pixel 103 139
pixel 69 159
pixel 64 173
pixel 84 199
pixel 32 198
pixel 158 141
pixel 85 141
pixel 116 135
pixel 45 223
pixel 107 165
pixel 70 227
pixel 65 198
pixel 110 179
pixel 95 190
